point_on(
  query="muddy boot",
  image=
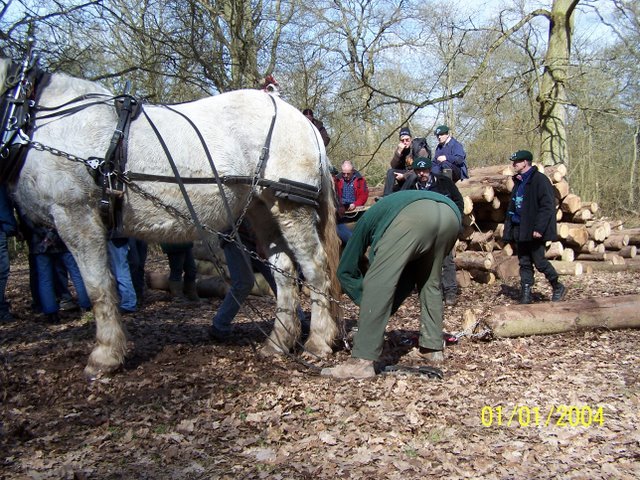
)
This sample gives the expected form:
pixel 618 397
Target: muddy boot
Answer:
pixel 190 291
pixel 426 354
pixel 352 368
pixel 175 288
pixel 525 295
pixel 559 291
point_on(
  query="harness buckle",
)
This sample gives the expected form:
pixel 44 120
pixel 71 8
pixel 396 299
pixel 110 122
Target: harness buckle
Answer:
pixel 94 162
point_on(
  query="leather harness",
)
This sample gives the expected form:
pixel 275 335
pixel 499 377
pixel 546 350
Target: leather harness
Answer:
pixel 23 86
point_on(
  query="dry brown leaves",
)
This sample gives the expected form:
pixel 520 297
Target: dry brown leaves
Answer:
pixel 185 408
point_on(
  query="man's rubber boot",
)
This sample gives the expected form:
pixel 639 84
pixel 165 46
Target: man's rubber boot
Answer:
pixel 525 294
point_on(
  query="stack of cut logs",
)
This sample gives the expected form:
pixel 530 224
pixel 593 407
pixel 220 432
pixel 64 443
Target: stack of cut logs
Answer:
pixel 584 242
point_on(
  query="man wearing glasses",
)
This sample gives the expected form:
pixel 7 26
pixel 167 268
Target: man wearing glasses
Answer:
pixel 401 162
pixel 449 155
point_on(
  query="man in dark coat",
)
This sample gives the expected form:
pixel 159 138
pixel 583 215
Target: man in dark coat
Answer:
pixel 422 178
pixel 530 222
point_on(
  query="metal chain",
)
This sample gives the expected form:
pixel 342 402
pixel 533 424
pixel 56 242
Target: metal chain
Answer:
pixel 95 164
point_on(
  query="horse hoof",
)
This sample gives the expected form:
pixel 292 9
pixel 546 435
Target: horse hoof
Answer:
pixel 318 350
pixel 270 350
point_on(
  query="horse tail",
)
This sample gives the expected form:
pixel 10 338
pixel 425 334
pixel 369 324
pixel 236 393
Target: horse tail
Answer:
pixel 329 237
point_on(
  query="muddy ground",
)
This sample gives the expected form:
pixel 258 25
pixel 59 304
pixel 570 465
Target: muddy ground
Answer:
pixel 556 406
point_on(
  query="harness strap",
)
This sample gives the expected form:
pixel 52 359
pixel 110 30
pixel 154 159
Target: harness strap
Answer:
pixel 284 188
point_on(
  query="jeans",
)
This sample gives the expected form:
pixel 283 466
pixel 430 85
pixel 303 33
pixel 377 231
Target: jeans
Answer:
pixel 242 280
pixel 137 258
pixel 4 274
pixel 180 261
pixel 45 268
pixel 344 233
pixel 118 250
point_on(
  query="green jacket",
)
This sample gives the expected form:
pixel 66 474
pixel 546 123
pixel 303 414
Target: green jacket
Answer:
pixel 370 229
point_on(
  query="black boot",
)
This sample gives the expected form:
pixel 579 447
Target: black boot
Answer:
pixel 559 290
pixel 52 318
pixel 525 293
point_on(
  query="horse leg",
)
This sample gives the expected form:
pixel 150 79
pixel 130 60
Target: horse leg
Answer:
pixel 82 231
pixel 298 227
pixel 286 330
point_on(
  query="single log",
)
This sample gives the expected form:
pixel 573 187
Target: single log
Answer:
pixel 478 193
pixel 571 203
pixel 573 233
pixel 554 250
pixel 496 203
pixel 581 216
pixel 558 317
pixel 468 205
pixel 634 235
pixel 463 278
pixel 587 247
pixel 592 206
pixel 596 266
pixel 558 215
pixel 599 230
pixel 599 248
pixel 616 241
pixel 567 268
pixel 482 276
pixel 602 257
pixel 507 268
pixel 561 189
pixel 568 255
pixel 461 246
pixel 491 170
pixel 470 260
pixel 499 183
pixel 630 251
pixel 556 173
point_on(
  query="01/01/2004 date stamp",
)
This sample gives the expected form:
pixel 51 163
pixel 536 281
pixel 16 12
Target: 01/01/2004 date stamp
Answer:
pixel 525 416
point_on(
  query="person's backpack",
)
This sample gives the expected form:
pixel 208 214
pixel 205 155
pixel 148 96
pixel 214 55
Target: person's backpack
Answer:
pixel 417 144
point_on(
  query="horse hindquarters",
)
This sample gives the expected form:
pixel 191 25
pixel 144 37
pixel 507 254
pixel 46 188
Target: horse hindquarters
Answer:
pixel 298 225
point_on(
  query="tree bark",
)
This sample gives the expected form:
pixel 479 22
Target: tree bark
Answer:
pixel 552 96
pixel 558 317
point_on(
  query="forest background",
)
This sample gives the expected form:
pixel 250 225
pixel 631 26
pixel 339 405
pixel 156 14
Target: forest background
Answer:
pixel 560 78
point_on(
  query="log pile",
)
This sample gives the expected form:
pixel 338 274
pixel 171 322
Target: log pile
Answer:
pixel 584 242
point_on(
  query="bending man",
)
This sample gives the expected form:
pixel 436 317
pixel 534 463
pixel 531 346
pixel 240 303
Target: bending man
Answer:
pixel 410 233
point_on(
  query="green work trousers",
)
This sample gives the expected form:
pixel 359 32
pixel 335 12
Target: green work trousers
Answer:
pixel 409 254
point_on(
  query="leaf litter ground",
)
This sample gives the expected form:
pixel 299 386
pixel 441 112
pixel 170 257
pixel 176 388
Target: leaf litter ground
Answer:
pixel 186 408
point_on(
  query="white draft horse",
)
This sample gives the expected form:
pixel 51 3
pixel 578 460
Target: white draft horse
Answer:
pixel 56 191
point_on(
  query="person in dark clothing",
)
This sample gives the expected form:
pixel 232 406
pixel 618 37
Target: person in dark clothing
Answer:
pixel 422 178
pixel 530 222
pixel 181 260
pixel 402 161
pixel 449 155
pixel 8 228
pixel 307 112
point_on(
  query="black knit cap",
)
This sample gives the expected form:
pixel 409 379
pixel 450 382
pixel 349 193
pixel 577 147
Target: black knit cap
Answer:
pixel 404 131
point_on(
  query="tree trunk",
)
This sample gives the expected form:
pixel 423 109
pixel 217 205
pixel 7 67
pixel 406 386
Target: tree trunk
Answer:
pixel 547 318
pixel 552 96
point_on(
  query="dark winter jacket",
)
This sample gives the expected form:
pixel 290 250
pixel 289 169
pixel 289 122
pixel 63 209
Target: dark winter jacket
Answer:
pixel 440 184
pixel 538 211
pixel 456 159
